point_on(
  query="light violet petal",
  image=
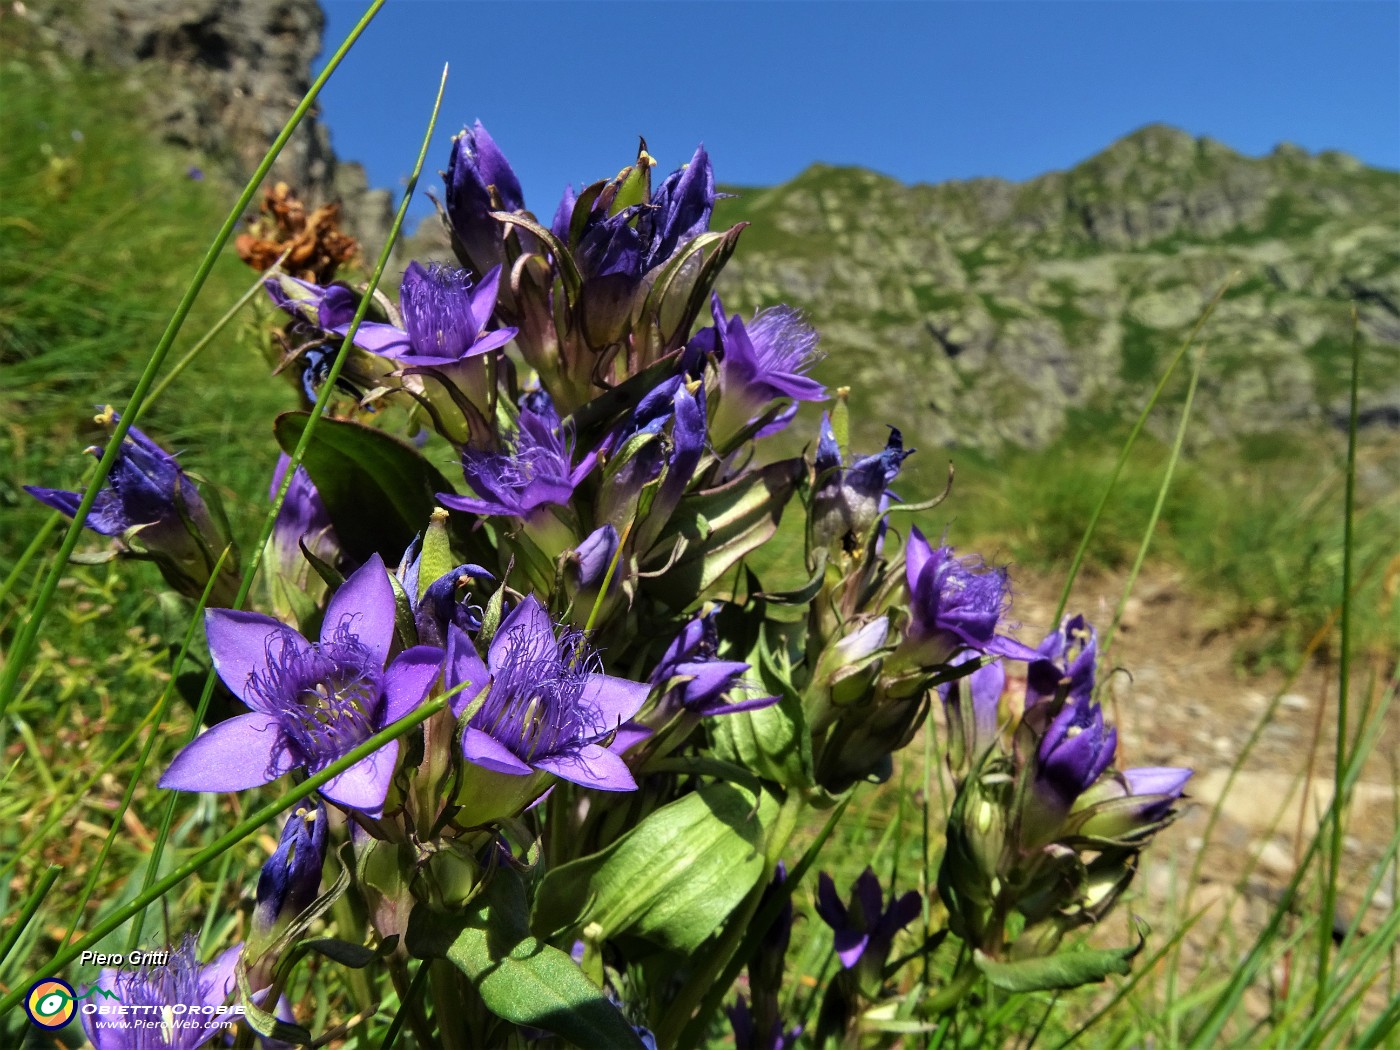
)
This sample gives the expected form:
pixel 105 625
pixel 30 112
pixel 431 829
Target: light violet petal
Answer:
pixel 365 607
pixel 614 700
pixel 486 751
pixel 365 785
pixel 591 766
pixel 916 555
pixel 245 751
pixel 629 736
pixel 1157 780
pixel 378 338
pixel 240 644
pixel 483 298
pixel 408 680
pixel 216 981
pixel 526 621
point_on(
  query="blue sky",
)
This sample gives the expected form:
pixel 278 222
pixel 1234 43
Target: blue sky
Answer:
pixel 921 91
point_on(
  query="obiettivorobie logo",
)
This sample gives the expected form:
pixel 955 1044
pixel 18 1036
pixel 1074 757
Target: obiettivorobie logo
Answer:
pixel 53 1003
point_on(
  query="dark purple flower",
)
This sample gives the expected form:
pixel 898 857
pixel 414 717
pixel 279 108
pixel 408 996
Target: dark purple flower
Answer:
pixel 446 316
pixel 302 519
pixel 537 471
pixel 1066 658
pixel 548 706
pixel 447 600
pixel 849 501
pixel 865 928
pixel 679 211
pixel 759 363
pixel 594 555
pixel 955 604
pixel 476 169
pixel 331 309
pixel 145 487
pixel 147 996
pixel 1074 752
pixel 310 703
pixel 564 215
pixel 693 677
pixel 291 878
pixel 747 1036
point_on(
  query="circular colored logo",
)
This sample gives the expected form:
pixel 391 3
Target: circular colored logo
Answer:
pixel 49 1004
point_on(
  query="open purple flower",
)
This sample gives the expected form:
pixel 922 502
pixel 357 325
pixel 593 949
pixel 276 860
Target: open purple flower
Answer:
pixel 537 471
pixel 696 680
pixel 759 363
pixel 311 703
pixel 147 996
pixel 955 603
pixel 548 706
pixel 331 309
pixel 145 487
pixel 848 501
pixel 866 927
pixel 446 316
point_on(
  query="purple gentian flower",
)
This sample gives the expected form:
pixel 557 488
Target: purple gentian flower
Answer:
pixel 594 555
pixel 983 687
pixel 331 309
pixel 1066 658
pixel 866 928
pixel 446 316
pixel 302 519
pixel 145 487
pixel 679 211
pixel 536 472
pixel 955 604
pixel 1074 752
pixel 477 167
pixel 311 703
pixel 564 215
pixel 291 878
pixel 759 363
pixel 848 501
pixel 747 1036
pixel 695 679
pixel 147 996
pixel 548 705
pixel 441 602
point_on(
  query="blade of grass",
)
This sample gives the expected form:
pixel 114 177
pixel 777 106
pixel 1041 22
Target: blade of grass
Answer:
pixel 250 825
pixel 31 905
pixel 1334 859
pixel 293 461
pixel 1127 448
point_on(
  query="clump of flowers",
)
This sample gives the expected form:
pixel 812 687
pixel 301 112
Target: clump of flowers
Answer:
pixel 562 750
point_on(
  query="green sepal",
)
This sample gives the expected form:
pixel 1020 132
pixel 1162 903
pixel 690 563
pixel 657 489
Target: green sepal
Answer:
pixel 437 560
pixel 518 977
pixel 377 490
pixel 673 879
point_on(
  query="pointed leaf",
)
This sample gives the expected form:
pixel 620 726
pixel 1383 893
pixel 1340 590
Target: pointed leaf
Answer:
pixel 1060 971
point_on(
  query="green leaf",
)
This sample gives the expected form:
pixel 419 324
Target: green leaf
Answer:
pixel 773 741
pixel 518 977
pixel 723 524
pixel 673 879
pixel 1060 971
pixel 437 554
pixel 378 490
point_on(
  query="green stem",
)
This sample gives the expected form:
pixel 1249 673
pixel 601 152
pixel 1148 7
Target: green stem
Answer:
pixel 406 1004
pixel 1334 852
pixel 227 841
pixel 1128 447
pixel 35 545
pixel 18 658
pixel 31 906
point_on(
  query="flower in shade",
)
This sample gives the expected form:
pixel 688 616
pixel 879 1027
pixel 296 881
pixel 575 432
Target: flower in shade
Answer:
pixel 537 471
pixel 331 309
pixel 865 929
pixel 759 362
pixel 547 707
pixel 302 518
pixel 290 879
pixel 311 703
pixel 145 487
pixel 447 600
pixel 849 500
pixel 149 996
pixel 973 704
pixel 748 1037
pixel 955 603
pixel 591 559
pixel 693 677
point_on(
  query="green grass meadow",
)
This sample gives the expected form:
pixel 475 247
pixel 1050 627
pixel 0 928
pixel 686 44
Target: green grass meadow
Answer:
pixel 101 229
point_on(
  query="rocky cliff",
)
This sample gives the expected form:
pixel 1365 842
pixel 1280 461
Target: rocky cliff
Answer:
pixel 982 312
pixel 221 77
